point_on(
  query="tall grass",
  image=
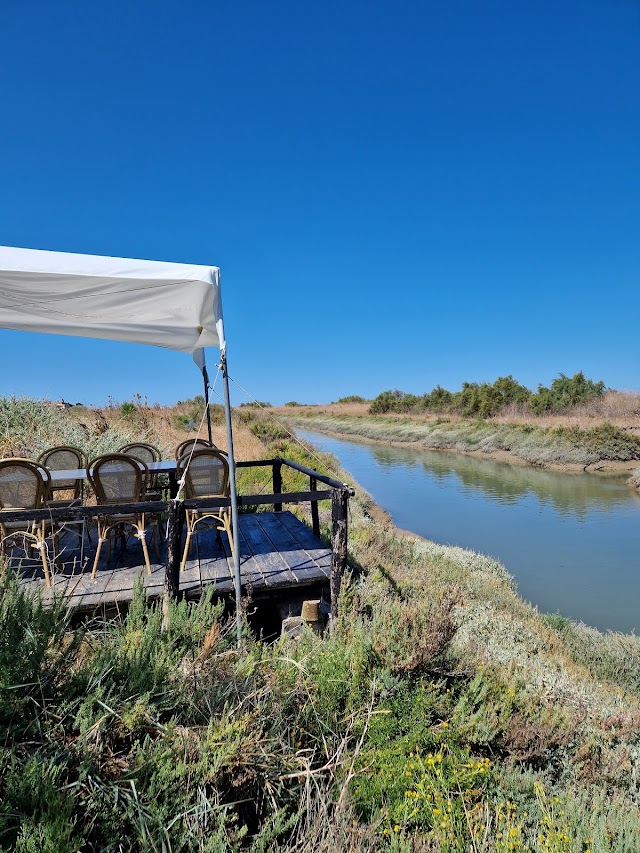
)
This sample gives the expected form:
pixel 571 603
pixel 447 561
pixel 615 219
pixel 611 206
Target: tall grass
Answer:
pixel 28 427
pixel 442 713
pixel 530 442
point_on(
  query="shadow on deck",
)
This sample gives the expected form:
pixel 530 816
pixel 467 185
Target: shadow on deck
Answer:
pixel 279 556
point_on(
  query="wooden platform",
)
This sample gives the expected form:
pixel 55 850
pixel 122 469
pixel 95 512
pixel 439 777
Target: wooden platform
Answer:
pixel 278 553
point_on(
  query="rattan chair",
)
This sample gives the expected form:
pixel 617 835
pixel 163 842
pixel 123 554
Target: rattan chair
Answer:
pixel 63 458
pixel 206 475
pixel 146 453
pixel 192 444
pixel 24 485
pixel 120 479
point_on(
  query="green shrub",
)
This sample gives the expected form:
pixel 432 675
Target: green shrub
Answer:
pixel 605 441
pixel 565 393
pixel 484 399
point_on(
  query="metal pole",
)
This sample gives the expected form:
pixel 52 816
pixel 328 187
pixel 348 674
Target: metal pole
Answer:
pixel 205 377
pixel 233 490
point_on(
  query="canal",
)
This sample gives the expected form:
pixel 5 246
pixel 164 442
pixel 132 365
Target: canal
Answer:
pixel 571 541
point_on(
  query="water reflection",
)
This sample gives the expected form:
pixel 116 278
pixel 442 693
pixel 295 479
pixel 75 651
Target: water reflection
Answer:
pixel 575 493
pixel 572 541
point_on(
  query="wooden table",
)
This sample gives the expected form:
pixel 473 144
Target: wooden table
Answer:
pixel 164 466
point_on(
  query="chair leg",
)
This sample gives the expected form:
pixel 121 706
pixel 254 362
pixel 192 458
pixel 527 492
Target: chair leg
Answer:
pixel 143 541
pixel 227 527
pixel 101 533
pixel 185 553
pixel 43 556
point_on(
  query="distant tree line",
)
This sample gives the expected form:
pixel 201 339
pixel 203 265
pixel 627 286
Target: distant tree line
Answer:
pixel 484 399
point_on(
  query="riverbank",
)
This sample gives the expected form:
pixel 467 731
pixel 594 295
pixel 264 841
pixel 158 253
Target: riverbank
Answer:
pixel 601 447
pixel 442 713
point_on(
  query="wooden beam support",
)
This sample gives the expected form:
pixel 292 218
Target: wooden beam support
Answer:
pixel 315 515
pixel 339 513
pixel 277 483
pixel 174 549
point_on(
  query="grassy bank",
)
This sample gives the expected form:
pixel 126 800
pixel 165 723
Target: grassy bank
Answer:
pixel 443 713
pixel 527 441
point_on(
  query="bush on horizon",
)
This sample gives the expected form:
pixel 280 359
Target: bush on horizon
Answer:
pixel 484 399
pixel 352 398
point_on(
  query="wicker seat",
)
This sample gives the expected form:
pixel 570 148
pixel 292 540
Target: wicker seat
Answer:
pixel 146 453
pixel 206 475
pixel 25 485
pixel 120 479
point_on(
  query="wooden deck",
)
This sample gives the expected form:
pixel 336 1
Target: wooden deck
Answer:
pixel 279 554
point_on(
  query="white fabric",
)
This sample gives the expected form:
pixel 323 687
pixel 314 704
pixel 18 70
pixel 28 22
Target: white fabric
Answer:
pixel 177 306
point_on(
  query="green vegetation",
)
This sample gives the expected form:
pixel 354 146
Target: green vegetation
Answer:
pixel 127 409
pixel 529 442
pixel 28 427
pixel 191 413
pixel 566 393
pixel 442 713
pixel 352 398
pixel 484 400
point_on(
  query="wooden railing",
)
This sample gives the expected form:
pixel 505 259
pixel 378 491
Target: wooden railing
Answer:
pixel 337 492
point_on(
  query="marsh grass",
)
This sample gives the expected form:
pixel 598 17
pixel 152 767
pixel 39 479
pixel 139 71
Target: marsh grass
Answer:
pixel 442 713
pixel 634 479
pixel 530 442
pixel 27 427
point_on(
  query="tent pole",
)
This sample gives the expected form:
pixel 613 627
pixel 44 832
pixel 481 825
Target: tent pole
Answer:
pixel 205 377
pixel 234 493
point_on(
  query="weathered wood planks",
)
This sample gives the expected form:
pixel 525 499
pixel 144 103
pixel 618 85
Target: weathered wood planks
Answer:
pixel 277 552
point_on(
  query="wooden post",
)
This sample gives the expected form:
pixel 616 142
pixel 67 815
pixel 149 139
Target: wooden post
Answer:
pixel 174 555
pixel 339 506
pixel 277 483
pixel 315 517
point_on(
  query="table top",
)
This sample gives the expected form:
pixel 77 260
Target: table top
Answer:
pixel 164 466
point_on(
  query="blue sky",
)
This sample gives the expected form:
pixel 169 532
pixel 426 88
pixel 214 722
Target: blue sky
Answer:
pixel 398 194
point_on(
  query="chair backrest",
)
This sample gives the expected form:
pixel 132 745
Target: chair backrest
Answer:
pixel 144 452
pixel 192 444
pixel 23 484
pixel 206 473
pixel 60 459
pixel 117 478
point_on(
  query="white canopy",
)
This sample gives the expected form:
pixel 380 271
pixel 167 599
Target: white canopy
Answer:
pixel 148 302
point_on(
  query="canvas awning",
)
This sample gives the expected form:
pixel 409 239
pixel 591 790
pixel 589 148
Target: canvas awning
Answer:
pixel 177 306
pixel 148 302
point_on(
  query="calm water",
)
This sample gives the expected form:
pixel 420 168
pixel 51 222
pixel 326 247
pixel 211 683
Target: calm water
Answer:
pixel 571 541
